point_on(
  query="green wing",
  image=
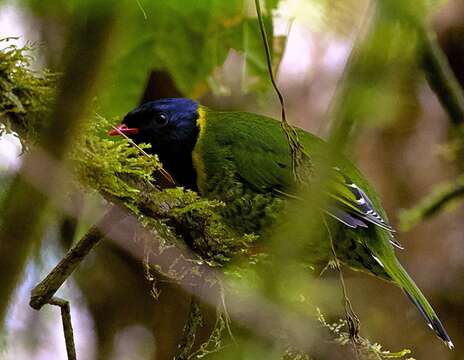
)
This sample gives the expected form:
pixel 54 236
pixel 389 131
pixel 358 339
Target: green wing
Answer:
pixel 350 196
pixel 260 153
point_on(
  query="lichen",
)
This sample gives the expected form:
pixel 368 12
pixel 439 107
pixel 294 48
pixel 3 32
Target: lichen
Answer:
pixel 215 341
pixel 366 349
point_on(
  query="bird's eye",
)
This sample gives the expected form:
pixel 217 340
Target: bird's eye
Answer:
pixel 161 119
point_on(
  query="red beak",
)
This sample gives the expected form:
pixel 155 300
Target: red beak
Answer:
pixel 122 130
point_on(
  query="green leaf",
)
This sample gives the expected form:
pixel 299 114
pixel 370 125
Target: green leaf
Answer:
pixel 126 78
pixel 189 40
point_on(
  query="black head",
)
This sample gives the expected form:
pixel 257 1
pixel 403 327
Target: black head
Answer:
pixel 170 127
pixel 160 122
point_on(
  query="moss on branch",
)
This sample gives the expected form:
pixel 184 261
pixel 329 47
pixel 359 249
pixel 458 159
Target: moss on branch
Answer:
pixel 25 96
pixel 121 174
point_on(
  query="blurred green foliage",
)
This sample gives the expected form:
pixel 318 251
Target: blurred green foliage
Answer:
pixel 151 37
pixel 445 196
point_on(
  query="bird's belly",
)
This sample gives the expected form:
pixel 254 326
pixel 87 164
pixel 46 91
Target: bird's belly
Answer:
pixel 245 210
pixel 351 251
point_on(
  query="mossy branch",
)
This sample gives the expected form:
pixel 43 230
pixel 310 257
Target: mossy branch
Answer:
pixel 25 96
pixel 341 332
pixel 23 208
pixel 121 175
pixel 44 292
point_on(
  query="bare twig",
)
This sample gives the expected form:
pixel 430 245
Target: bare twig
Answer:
pixel 441 77
pixel 67 325
pixel 437 200
pixel 163 172
pixel 269 60
pixel 351 318
pixel 46 289
pixel 144 13
pixel 301 161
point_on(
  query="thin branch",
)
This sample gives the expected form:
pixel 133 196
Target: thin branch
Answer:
pixel 441 77
pixel 46 289
pixel 441 196
pixel 67 326
pixel 351 318
pixel 144 13
pixel 224 311
pixel 269 60
pixel 301 161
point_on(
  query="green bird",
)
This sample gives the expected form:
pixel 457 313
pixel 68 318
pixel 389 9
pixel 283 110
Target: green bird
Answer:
pixel 244 160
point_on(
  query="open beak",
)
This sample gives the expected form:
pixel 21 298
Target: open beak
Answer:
pixel 122 130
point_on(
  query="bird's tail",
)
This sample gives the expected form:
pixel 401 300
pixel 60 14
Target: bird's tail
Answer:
pixel 401 277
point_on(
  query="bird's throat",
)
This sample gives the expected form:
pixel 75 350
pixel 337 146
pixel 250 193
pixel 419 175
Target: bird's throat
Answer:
pixel 177 160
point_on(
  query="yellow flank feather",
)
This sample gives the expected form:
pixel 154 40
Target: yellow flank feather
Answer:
pixel 198 163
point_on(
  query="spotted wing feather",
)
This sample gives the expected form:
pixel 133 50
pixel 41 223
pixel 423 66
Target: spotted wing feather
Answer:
pixel 353 200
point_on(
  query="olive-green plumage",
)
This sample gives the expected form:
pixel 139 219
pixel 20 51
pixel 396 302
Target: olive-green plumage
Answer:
pixel 244 159
pixel 246 162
